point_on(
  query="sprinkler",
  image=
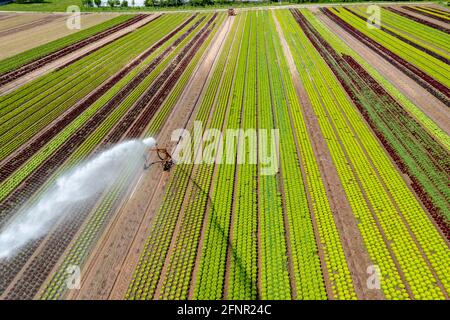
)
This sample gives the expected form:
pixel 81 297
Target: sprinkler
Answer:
pixel 165 159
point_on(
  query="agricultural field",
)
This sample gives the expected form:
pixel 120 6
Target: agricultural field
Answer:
pixel 296 153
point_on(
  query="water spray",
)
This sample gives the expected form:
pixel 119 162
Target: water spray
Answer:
pixel 85 182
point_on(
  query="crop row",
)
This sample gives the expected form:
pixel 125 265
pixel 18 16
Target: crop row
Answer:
pixel 427 64
pixel 438 89
pixel 428 49
pixel 315 203
pixel 148 271
pixel 99 133
pixel 437 11
pixel 429 179
pixel 39 63
pixel 306 270
pixel 147 274
pixel 418 31
pixel 419 20
pixel 428 247
pixel 411 108
pixel 19 60
pixel 175 283
pixel 427 13
pixel 209 283
pixel 55 248
pixel 243 268
pixel 273 252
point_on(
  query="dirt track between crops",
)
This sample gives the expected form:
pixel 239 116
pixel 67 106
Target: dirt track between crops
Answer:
pixel 431 106
pixel 110 267
pixel 353 245
pixel 67 58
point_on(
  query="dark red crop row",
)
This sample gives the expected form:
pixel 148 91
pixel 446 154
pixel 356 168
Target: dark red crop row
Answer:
pixel 430 84
pixel 422 21
pixel 36 64
pixel 40 267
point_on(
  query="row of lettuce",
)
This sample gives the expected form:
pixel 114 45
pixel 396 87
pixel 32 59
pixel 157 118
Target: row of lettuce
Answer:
pixel 243 235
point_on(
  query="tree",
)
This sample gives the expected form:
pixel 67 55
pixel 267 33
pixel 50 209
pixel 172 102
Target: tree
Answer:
pixel 124 4
pixel 111 3
pixel 87 3
pixel 28 1
pixel 98 3
pixel 117 3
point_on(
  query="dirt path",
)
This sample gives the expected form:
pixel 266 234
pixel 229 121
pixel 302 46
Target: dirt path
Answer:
pixel 352 242
pixel 67 58
pixel 109 269
pixel 431 106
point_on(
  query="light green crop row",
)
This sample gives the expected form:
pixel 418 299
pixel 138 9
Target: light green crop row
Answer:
pixel 274 271
pixel 211 272
pixel 388 24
